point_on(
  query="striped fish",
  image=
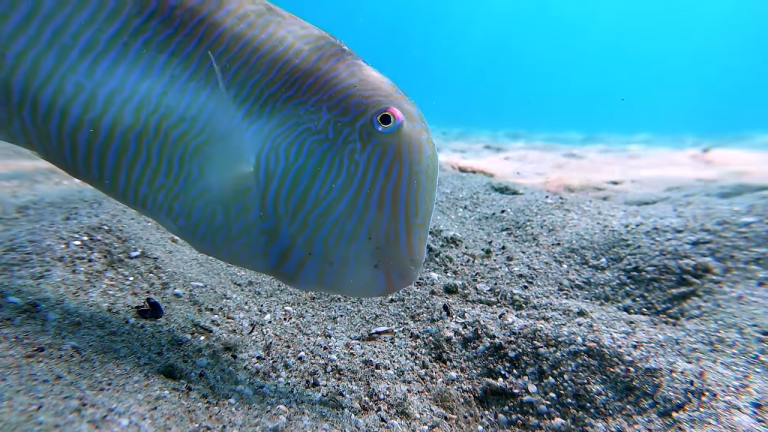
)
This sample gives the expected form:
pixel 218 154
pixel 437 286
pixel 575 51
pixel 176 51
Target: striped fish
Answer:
pixel 255 137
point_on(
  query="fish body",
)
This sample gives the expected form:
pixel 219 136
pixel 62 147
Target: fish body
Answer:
pixel 255 137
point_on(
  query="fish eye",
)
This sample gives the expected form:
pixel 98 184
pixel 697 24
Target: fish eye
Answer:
pixel 387 120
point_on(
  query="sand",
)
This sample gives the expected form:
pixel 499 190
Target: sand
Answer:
pixel 598 166
pixel 561 292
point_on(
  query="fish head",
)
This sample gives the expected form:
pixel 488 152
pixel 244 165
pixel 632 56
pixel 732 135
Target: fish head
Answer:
pixel 395 147
pixel 370 200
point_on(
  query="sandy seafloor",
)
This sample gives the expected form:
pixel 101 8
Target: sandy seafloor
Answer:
pixel 583 288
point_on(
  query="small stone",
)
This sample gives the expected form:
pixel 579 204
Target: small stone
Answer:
pixel 178 293
pixel 13 300
pixel 288 310
pixel 301 355
pixel 452 287
pixel 452 376
pixel 381 332
pixel 542 409
pixel 231 401
pixel 72 346
pixel 197 284
pixel 267 318
pixel 205 327
pixel 151 309
pixel 123 422
pixel 134 254
pixel 749 220
pixel 559 424
pixel 532 388
pixel 201 362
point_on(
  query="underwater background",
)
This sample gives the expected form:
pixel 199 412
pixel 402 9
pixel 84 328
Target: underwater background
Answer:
pixel 684 67
pixel 597 259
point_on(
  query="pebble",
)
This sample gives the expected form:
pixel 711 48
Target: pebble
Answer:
pixel 359 423
pixel 134 254
pixel 301 355
pixel 197 284
pixel 452 287
pixel 71 346
pixel 201 362
pixel 452 376
pixel 178 293
pixel 542 409
pixel 13 300
pixel 288 310
pixel 559 424
pixel 151 309
pixel 747 221
pixel 71 405
pixel 381 330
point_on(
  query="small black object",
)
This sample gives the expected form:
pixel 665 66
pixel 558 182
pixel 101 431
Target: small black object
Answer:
pixel 171 371
pixel 151 309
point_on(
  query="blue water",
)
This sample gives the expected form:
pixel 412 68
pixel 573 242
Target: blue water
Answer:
pixel 666 67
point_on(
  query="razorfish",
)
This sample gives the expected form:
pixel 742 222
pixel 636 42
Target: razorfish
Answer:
pixel 252 135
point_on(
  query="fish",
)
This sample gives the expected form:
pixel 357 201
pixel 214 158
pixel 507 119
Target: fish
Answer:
pixel 254 136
